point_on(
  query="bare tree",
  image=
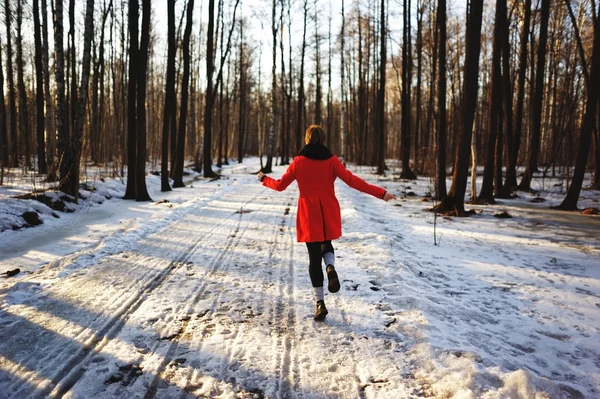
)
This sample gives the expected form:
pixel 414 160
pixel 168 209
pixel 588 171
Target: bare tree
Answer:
pixel 440 175
pixel 141 191
pixel 3 130
pixel 588 125
pixel 70 181
pixel 520 96
pixel 133 12
pixel 300 104
pixel 534 143
pixel 456 196
pixel 271 146
pixel 39 97
pixel 185 87
pixel 209 98
pixel 61 103
pixel 14 148
pixel 380 118
pixel 407 172
pixel 170 100
pixel 50 131
pixel 495 122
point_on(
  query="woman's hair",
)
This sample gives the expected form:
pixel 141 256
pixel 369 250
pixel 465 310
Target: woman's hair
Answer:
pixel 314 135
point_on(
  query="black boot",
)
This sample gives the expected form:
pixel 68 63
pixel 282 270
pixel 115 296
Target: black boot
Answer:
pixel 333 283
pixel 321 311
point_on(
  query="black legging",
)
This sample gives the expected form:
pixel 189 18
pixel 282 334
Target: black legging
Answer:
pixel 315 256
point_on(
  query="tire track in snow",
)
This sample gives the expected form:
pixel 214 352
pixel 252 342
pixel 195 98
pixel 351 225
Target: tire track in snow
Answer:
pixel 161 374
pixel 237 348
pixel 285 315
pixel 68 375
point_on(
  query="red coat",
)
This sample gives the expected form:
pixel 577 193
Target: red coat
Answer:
pixel 319 216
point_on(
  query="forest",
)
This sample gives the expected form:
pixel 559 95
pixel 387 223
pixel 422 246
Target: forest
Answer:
pixel 507 89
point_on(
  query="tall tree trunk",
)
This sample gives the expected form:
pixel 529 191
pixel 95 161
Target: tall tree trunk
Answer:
pixel 185 88
pixel 170 100
pixel 318 92
pixel 269 165
pixel 380 118
pixel 61 105
pixel 23 108
pixel 242 103
pixel 520 96
pixel 71 184
pixel 50 132
pixel 588 124
pixel 209 98
pixel 12 102
pixel 3 129
pixel 130 191
pixel 39 95
pixel 407 172
pixel 72 66
pixel 494 137
pixel 536 126
pixel 420 13
pixel 343 151
pixel 511 176
pixel 440 175
pixel 141 191
pixel 456 195
pixel 300 105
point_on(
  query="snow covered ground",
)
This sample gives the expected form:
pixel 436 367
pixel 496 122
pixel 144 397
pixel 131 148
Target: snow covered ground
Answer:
pixel 207 295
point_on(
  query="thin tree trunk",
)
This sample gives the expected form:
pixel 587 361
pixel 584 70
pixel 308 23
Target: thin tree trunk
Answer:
pixel 318 92
pixel 495 133
pixel 588 125
pixel 61 106
pixel 39 95
pixel 300 110
pixel 170 100
pixel 141 191
pixel 185 87
pixel 466 140
pixel 130 191
pixel 520 96
pixel 511 176
pixel 3 129
pixel 380 118
pixel 534 144
pixel 440 185
pixel 343 151
pixel 269 165
pixel 12 102
pixel 420 11
pixel 71 185
pixel 23 107
pixel 208 105
pixel 50 132
pixel 242 103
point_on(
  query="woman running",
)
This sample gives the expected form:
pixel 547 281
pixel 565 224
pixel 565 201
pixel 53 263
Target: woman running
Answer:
pixel 319 219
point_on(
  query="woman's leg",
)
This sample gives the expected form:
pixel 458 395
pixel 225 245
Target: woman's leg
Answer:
pixel 315 270
pixel 328 255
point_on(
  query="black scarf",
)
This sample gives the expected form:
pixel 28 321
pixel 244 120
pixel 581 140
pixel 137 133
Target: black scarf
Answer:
pixel 316 151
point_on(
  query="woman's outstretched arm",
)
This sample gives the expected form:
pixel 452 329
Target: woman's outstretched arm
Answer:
pixel 281 184
pixel 359 184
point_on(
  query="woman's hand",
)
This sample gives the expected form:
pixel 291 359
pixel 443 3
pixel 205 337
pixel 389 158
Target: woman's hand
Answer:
pixel 260 176
pixel 388 196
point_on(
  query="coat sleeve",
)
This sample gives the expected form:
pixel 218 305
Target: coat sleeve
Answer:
pixel 281 184
pixel 356 182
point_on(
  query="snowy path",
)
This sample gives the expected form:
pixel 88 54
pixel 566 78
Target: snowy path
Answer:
pixel 212 299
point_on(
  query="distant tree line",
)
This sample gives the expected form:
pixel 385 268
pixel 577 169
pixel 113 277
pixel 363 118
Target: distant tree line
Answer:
pixel 512 88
